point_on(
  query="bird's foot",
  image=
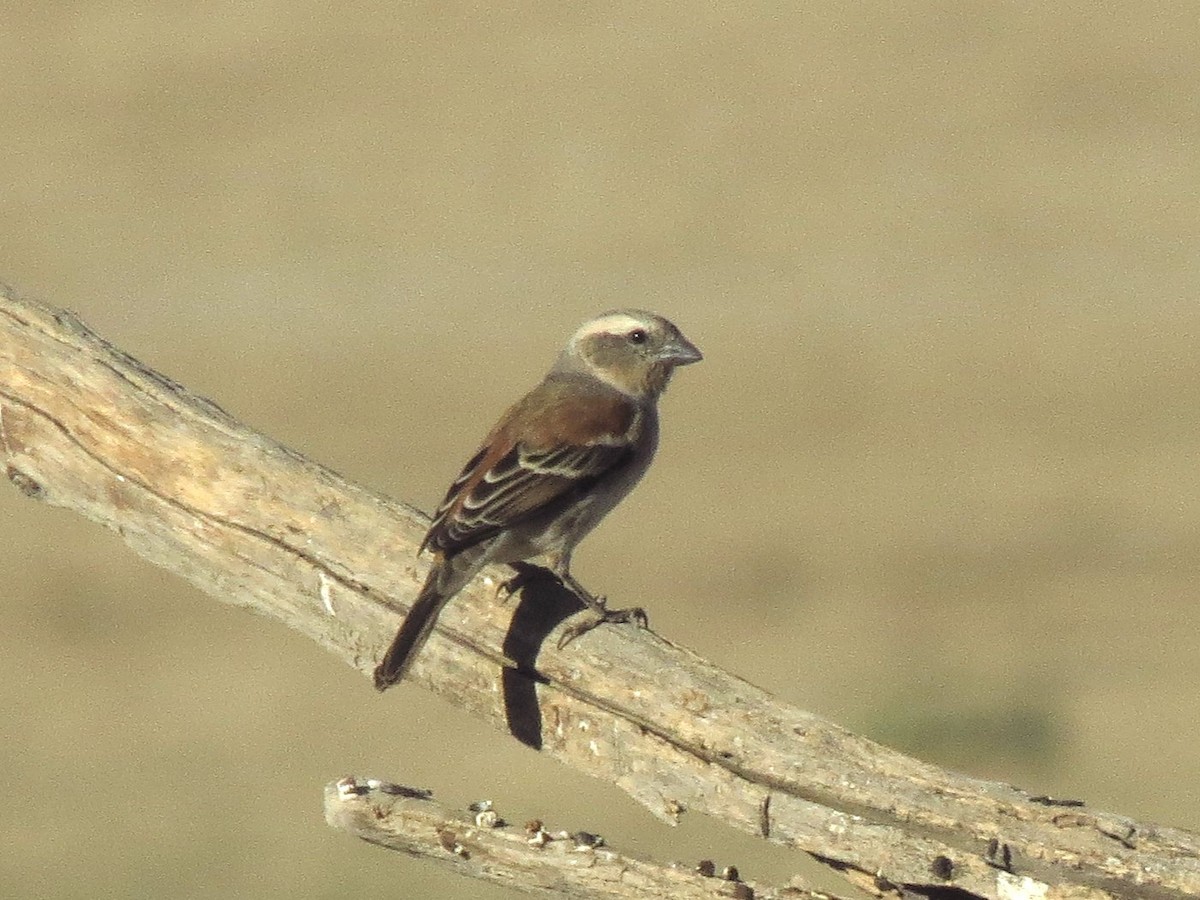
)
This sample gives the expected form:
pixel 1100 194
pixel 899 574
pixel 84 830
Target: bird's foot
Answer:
pixel 602 615
pixel 523 575
pixel 509 586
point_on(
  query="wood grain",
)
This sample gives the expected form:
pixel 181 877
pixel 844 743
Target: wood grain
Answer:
pixel 86 427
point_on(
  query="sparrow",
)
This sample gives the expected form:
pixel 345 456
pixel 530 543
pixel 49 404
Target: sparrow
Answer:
pixel 555 464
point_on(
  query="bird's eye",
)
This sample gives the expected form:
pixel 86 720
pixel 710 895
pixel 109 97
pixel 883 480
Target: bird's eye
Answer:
pixel 637 336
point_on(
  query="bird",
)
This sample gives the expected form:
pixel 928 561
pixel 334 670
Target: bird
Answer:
pixel 557 461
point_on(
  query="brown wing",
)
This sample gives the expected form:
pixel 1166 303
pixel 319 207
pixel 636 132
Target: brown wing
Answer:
pixel 552 446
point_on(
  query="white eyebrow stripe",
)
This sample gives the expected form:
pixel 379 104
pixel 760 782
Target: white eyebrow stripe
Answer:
pixel 617 322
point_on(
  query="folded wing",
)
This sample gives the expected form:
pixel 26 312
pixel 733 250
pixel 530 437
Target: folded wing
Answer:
pixel 537 461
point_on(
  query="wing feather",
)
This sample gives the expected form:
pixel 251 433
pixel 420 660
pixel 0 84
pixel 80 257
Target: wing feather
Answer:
pixel 528 468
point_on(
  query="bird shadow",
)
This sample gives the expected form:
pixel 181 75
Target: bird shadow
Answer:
pixel 542 606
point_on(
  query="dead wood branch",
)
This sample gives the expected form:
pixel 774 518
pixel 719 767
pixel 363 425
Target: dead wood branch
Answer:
pixel 530 858
pixel 84 426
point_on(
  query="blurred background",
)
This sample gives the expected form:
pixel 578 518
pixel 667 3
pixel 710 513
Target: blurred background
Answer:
pixel 936 479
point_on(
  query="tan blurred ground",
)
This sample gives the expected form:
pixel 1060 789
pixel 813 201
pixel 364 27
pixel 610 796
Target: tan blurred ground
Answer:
pixel 937 478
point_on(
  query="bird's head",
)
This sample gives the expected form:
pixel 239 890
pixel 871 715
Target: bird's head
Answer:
pixel 634 351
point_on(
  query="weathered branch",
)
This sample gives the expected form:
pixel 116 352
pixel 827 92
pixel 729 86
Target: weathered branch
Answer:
pixel 531 858
pixel 85 426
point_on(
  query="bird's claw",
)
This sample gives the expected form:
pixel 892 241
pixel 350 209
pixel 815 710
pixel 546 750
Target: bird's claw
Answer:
pixel 509 586
pixel 634 614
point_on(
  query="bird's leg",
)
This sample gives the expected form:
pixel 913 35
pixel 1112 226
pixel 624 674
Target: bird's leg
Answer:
pixel 602 613
pixel 588 599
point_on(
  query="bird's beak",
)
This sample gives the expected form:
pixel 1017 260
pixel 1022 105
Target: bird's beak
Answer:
pixel 681 352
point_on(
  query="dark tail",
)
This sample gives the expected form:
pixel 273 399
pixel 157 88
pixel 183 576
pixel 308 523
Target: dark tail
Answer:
pixel 411 637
